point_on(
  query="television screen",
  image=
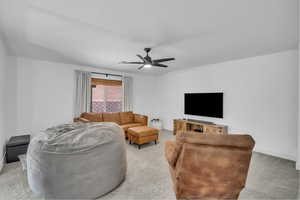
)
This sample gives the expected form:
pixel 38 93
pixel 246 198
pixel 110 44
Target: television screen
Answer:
pixel 204 104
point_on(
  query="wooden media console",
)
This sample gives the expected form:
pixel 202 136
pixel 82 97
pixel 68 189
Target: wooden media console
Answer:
pixel 199 127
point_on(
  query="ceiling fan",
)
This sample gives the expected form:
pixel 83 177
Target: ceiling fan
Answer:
pixel 147 61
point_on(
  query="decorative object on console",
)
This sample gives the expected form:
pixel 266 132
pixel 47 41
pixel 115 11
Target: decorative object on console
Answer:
pixel 200 121
pixel 16 146
pixel 209 166
pixel 192 125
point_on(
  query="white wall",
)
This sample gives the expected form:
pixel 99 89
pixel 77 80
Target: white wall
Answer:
pixel 46 90
pixel 3 58
pixel 7 98
pixel 260 98
pixel 298 144
pixel 10 100
pixel 146 95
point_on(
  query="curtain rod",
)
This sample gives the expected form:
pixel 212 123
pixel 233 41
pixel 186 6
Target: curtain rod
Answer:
pixel 107 74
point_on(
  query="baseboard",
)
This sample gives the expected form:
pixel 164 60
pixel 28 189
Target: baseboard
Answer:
pixel 271 153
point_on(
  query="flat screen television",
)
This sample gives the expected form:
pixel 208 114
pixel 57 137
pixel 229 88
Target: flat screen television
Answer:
pixel 204 104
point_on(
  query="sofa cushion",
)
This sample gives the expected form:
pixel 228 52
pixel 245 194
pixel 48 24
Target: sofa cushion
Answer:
pixel 125 127
pixel 92 117
pixel 112 117
pixel 126 117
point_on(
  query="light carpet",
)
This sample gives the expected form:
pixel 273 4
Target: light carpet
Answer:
pixel 148 177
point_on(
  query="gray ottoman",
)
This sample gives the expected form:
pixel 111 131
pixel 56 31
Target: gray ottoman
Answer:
pixel 81 161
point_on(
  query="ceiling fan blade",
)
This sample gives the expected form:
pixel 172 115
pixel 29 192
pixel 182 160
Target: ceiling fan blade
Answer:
pixel 163 60
pixel 141 67
pixel 159 65
pixel 141 57
pixel 125 62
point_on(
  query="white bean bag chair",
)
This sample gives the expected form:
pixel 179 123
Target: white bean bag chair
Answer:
pixel 79 160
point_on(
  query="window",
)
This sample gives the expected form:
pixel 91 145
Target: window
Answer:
pixel 107 95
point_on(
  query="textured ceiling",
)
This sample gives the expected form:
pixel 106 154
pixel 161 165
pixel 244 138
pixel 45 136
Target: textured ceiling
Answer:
pixel 102 33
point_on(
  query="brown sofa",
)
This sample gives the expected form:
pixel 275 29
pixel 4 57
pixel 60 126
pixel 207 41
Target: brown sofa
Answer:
pixel 124 119
pixel 207 166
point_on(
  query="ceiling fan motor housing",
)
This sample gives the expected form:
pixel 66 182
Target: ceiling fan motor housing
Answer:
pixel 147 57
pixel 147 50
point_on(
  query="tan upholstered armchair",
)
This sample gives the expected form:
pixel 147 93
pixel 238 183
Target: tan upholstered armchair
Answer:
pixel 207 166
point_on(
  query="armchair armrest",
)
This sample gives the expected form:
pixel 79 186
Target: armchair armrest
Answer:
pixel 172 151
pixel 80 119
pixel 143 119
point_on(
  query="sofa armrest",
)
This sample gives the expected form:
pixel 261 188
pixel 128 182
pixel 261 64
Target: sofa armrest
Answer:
pixel 172 151
pixel 143 119
pixel 80 119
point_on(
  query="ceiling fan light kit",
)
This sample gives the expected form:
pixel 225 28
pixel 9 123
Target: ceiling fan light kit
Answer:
pixel 147 66
pixel 147 61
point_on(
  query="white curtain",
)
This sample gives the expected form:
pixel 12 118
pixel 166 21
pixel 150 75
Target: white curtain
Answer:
pixel 127 93
pixel 82 92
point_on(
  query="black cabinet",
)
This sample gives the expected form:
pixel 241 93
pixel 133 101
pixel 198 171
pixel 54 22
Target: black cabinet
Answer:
pixel 16 146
